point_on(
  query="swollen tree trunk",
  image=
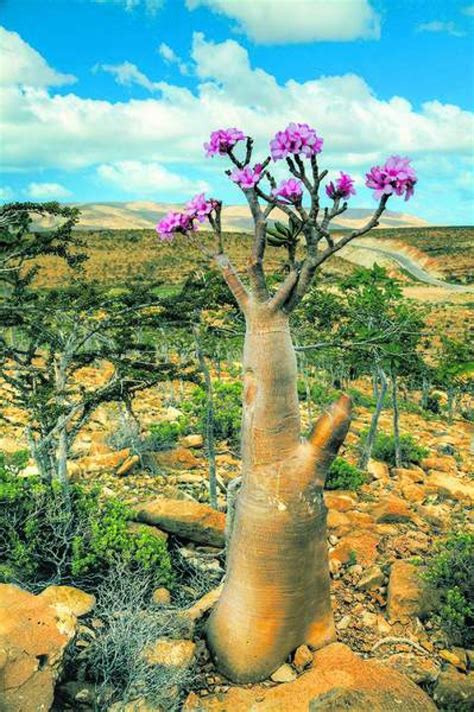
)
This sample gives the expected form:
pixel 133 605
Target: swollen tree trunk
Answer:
pixel 210 441
pixel 369 443
pixel 276 592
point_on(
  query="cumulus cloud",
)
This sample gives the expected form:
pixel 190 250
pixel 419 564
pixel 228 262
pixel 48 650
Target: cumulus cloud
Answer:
pixel 134 142
pixel 449 28
pixel 127 74
pixel 21 64
pixel 136 177
pixel 292 21
pixel 6 193
pixel 170 57
pixel 46 191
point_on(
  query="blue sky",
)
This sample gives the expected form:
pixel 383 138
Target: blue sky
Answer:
pixel 112 99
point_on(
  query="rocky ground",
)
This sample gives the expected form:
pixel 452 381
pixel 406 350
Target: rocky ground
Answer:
pixel 378 539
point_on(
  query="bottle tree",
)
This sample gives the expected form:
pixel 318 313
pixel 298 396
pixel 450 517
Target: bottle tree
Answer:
pixel 276 590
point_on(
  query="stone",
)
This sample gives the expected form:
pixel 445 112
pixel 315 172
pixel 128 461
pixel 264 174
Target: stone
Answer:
pixel 456 657
pixel 138 705
pixel 128 465
pixel 413 493
pixel 415 476
pixel 204 604
pixel 449 486
pixel 161 596
pixel 421 670
pixel 339 502
pixel 171 414
pixel 392 509
pixel 189 520
pixel 171 653
pixel 285 673
pixel 378 470
pixel 371 579
pixel 454 690
pixel 446 463
pixel 79 602
pixel 337 680
pixel 103 463
pixel 193 441
pixel 34 635
pixel 362 546
pixel 408 595
pixel 180 458
pixel 337 520
pixel 302 658
pixel 138 528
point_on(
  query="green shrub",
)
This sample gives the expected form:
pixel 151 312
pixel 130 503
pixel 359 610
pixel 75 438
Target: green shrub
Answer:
pixel 361 399
pixel 52 535
pixel 164 436
pixel 343 475
pixel 227 410
pixel 384 449
pixel 451 572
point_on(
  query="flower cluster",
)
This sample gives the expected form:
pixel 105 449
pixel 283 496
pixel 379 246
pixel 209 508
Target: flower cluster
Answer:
pixel 222 140
pixel 199 207
pixel 343 188
pixel 395 176
pixel 296 139
pixel 173 224
pixel 290 190
pixel 247 177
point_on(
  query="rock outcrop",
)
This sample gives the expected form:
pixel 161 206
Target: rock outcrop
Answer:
pixel 189 520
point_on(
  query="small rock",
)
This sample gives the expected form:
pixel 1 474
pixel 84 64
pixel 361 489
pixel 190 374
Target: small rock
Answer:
pixel 392 509
pixel 344 623
pixel 378 470
pixel 362 546
pixel 187 519
pixel 193 441
pixel 285 673
pixel 77 601
pixel 339 502
pixel 303 658
pixel 161 597
pixel 371 579
pixel 408 595
pixel 442 464
pixel 128 465
pixel 449 486
pixel 456 657
pixel 171 653
pixel 421 670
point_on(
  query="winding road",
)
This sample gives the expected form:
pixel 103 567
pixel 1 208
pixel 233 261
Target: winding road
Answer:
pixel 417 271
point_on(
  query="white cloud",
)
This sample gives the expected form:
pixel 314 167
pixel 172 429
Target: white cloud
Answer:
pixel 170 57
pixel 449 28
pixel 21 64
pixel 151 6
pixel 139 178
pixel 468 10
pixel 134 142
pixel 292 21
pixel 46 191
pixel 127 74
pixel 6 193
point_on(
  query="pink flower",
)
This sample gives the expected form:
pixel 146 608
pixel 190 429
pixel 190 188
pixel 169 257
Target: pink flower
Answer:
pixel 247 177
pixel 290 190
pixel 173 224
pixel 395 176
pixel 296 139
pixel 344 187
pixel 199 208
pixel 222 140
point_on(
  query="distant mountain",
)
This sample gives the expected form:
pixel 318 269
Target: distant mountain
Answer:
pixel 145 215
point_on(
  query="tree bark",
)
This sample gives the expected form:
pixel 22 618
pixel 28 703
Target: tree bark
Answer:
pixel 276 592
pixel 369 443
pixel 396 420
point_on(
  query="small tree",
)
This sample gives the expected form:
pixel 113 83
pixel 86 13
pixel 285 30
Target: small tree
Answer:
pixel 276 591
pixel 49 335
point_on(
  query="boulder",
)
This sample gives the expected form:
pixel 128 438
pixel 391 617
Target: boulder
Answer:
pixel 415 476
pixel 337 520
pixel 128 465
pixel 371 579
pixel 161 596
pixel 302 658
pixel 102 463
pixel 33 637
pixel 171 653
pixel 421 670
pixel 378 470
pixel 362 546
pixel 339 502
pixel 408 595
pixel 180 458
pixel 447 463
pixel 450 486
pixel 79 602
pixel 392 509
pixel 413 493
pixel 454 690
pixel 194 441
pixel 337 680
pixel 189 520
pixel 285 673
